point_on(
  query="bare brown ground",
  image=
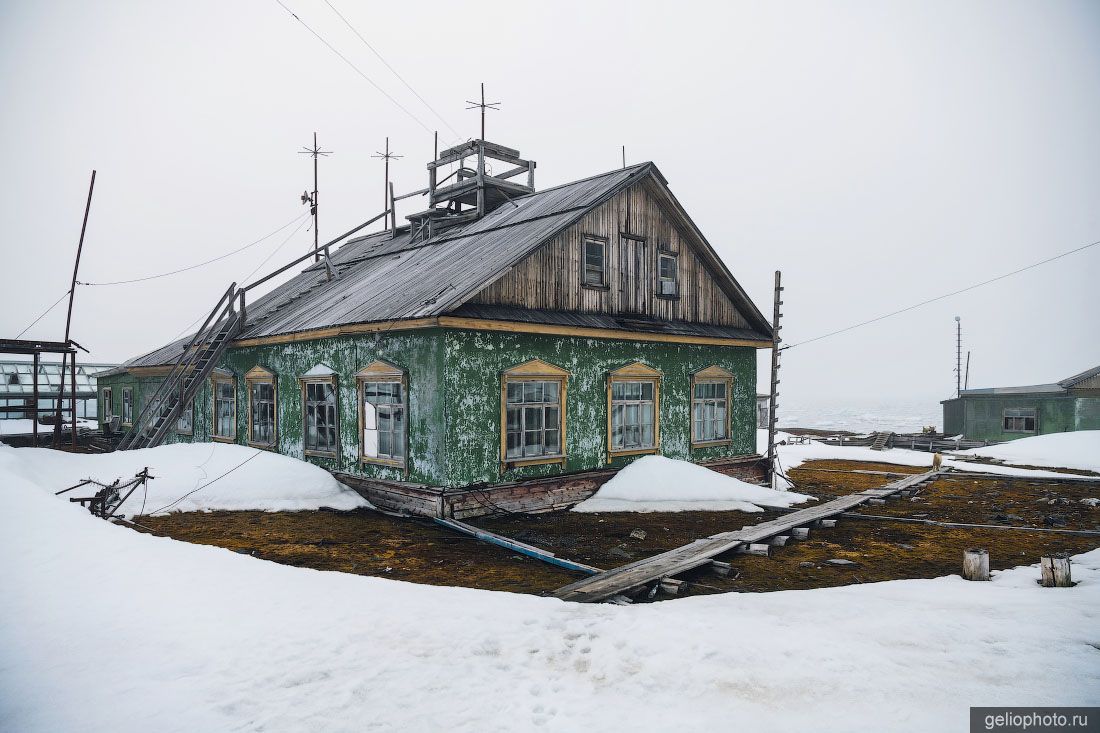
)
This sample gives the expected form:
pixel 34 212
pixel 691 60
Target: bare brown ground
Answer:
pixel 368 543
pixel 365 543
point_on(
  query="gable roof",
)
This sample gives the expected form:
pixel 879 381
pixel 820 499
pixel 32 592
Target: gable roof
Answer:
pixel 1077 379
pixel 388 278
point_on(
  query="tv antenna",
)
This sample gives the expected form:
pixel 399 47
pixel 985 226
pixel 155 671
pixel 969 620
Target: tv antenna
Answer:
pixel 387 203
pixel 311 198
pixel 483 105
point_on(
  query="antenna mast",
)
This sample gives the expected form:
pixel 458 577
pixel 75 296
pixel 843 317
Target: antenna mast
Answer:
pixel 483 105
pixel 387 198
pixel 311 198
pixel 958 356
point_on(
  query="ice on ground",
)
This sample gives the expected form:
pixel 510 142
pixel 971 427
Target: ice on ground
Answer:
pixel 105 629
pixel 260 480
pixel 659 484
pixel 1079 450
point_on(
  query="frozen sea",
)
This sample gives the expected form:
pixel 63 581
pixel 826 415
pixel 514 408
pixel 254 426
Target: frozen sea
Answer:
pixel 861 415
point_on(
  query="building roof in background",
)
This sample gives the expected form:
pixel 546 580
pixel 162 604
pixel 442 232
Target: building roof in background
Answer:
pixel 1056 388
pixel 381 277
pixel 17 378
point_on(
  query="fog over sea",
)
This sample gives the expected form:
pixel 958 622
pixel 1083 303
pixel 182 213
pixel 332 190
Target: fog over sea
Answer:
pixel 861 415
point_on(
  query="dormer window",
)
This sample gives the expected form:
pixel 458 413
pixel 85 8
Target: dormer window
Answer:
pixel 594 261
pixel 667 274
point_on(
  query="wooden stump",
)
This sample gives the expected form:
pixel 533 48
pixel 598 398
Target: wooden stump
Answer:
pixel 800 533
pixel 779 540
pixel 975 564
pixel 1056 570
pixel 756 548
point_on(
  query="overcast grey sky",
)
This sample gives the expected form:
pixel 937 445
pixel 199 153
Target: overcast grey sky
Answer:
pixel 878 153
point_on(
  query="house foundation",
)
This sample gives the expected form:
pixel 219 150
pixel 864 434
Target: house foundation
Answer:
pixel 532 496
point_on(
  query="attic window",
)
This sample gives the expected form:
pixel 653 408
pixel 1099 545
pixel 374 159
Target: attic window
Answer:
pixel 667 272
pixel 594 261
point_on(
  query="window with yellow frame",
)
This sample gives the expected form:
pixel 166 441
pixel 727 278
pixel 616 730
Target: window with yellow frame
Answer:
pixel 224 423
pixel 633 410
pixel 383 414
pixel 532 414
pixel 711 398
pixel 263 416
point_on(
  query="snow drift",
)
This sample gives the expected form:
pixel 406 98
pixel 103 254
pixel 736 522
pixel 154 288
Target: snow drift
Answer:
pixel 1079 450
pixel 259 480
pixel 105 629
pixel 659 484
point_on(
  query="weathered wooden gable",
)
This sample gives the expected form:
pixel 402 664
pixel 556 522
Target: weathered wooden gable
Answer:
pixel 637 223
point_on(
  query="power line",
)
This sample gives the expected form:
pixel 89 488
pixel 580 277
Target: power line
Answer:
pixel 44 313
pixel 357 70
pixel 200 264
pixel 254 270
pixel 177 501
pixel 392 70
pixel 945 295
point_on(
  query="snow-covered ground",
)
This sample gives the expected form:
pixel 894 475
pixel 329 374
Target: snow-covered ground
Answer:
pixel 1079 450
pixel 106 629
pixel 22 426
pixel 659 484
pixel 1064 450
pixel 259 480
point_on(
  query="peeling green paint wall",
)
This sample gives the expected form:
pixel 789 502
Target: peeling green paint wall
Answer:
pixel 454 398
pixel 981 417
pixel 475 360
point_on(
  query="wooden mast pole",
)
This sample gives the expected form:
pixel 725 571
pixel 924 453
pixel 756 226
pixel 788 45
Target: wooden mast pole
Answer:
pixel 68 326
pixel 772 401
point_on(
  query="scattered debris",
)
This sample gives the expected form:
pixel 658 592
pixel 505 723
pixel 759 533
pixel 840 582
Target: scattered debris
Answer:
pixel 839 561
pixel 637 534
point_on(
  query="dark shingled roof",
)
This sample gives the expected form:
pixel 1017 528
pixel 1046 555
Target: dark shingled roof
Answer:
pixel 384 278
pixel 1061 387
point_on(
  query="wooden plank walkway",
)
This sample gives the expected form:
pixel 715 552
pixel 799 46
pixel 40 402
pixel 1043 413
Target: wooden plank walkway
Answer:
pixel 627 578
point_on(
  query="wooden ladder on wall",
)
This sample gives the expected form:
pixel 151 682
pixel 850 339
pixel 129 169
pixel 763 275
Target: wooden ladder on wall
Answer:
pixel 881 441
pixel 196 363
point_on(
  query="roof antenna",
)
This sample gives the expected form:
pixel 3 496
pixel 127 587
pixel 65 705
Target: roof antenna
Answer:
pixel 311 198
pixel 386 203
pixel 483 106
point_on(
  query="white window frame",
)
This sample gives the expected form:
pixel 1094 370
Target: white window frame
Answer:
pixel 605 280
pixel 127 405
pixel 1021 416
pixel 636 373
pixel 108 406
pixel 320 375
pixel 377 373
pixel 531 372
pixel 215 382
pixel 712 375
pixel 668 287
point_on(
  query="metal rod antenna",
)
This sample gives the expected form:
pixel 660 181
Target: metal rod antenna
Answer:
pixel 312 198
pixel 483 105
pixel 386 189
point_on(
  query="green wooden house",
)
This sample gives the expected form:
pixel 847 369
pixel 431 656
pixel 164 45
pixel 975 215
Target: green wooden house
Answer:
pixel 1007 413
pixel 523 342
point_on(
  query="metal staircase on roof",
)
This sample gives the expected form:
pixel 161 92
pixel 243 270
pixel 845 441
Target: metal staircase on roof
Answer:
pixel 186 377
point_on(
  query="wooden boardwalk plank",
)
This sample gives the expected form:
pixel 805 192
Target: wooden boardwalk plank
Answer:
pixel 634 575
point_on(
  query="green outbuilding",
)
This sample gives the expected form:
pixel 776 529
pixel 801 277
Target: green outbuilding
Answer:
pixel 506 346
pixel 1006 413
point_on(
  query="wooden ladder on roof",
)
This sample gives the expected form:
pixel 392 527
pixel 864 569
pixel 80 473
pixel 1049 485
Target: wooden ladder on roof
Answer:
pixel 196 363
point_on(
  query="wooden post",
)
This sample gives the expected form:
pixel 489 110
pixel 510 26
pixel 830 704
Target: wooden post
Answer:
pixel 35 398
pixel 772 401
pixel 1056 570
pixel 72 395
pixel 975 564
pixel 393 213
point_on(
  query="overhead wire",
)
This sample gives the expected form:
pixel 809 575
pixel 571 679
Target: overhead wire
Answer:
pixel 355 68
pixel 44 313
pixel 145 278
pixel 373 50
pixel 941 297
